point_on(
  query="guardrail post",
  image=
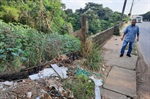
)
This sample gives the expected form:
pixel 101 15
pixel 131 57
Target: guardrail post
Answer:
pixel 83 28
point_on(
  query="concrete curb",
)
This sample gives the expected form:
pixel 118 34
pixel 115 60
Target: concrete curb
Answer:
pixel 141 76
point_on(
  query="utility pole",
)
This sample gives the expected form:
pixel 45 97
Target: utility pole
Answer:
pixel 131 8
pixel 125 1
pixel 124 6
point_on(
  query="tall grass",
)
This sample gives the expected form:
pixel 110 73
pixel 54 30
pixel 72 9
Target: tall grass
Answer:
pixel 92 54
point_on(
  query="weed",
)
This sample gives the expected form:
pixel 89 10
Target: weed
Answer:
pixel 92 54
pixel 81 86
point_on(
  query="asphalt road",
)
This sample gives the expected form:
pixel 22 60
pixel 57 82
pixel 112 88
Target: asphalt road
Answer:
pixel 144 42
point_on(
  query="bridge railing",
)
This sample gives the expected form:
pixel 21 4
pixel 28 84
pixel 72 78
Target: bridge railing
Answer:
pixel 102 37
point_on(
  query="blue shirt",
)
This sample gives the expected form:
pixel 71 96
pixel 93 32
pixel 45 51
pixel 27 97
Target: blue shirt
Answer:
pixel 131 32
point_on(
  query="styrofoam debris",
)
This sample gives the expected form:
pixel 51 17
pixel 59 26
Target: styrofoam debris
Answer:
pixel 60 71
pixel 8 83
pixel 98 83
pixel 48 72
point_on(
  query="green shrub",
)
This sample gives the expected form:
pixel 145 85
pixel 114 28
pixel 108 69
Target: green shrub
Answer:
pixel 23 46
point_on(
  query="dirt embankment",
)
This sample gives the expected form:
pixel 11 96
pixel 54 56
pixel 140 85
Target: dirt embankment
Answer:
pixel 143 77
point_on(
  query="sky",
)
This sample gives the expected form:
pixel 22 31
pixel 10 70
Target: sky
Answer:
pixel 140 6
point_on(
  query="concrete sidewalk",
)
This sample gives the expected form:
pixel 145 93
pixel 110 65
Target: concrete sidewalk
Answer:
pixel 121 80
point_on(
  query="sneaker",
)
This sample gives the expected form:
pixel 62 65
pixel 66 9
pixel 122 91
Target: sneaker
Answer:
pixel 121 55
pixel 128 55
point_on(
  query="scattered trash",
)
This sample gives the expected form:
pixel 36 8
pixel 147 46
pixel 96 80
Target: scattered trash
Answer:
pixel 98 83
pixel 47 72
pixel 83 72
pixel 34 77
pixel 48 80
pixel 29 95
pixel 60 71
pixel 8 83
pixel 47 83
pixel 27 89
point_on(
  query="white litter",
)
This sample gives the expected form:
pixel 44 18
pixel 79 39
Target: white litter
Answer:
pixel 29 95
pixel 98 83
pixel 34 76
pixel 8 83
pixel 47 72
pixel 60 71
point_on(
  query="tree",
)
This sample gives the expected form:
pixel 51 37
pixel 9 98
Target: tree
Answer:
pixel 146 16
pixel 99 18
pixel 43 15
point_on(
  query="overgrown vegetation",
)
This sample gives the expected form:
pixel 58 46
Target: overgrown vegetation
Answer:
pixel 30 33
pixel 23 46
pixel 81 86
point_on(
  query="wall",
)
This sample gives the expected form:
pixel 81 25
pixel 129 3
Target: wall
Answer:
pixel 102 37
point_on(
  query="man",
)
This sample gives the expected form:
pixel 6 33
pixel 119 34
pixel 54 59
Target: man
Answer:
pixel 130 34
